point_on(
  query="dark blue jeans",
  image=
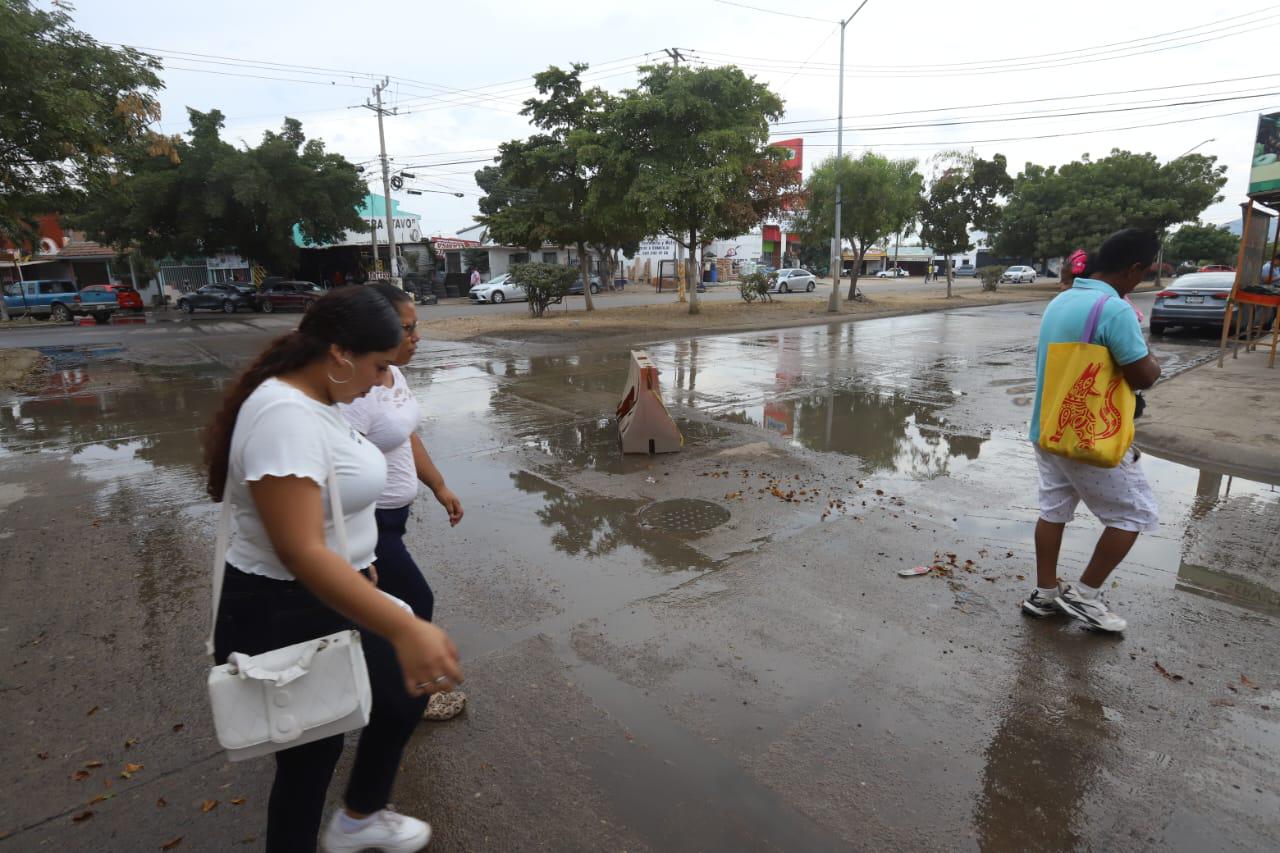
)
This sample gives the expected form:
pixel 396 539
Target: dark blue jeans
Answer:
pixel 257 614
pixel 398 574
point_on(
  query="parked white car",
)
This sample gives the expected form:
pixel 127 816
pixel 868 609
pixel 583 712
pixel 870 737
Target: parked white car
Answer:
pixel 1019 275
pixel 787 280
pixel 892 272
pixel 497 290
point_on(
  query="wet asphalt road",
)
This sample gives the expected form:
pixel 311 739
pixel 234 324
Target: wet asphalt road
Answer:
pixel 768 683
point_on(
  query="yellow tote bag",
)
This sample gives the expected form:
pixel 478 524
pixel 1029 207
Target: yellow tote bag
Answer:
pixel 1086 406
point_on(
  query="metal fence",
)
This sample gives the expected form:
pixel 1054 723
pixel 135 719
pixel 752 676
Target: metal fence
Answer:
pixel 183 278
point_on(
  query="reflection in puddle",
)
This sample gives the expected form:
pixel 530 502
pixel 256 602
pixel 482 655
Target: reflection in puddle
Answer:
pixel 888 430
pixel 1049 743
pixel 592 526
pixel 1230 542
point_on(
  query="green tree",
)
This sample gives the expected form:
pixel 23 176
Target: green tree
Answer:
pixel 558 186
pixel 213 197
pixel 1201 243
pixel 964 194
pixel 694 146
pixel 1052 212
pixel 881 198
pixel 68 105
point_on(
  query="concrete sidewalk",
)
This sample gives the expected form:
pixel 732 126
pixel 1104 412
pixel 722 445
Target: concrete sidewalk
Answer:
pixel 1224 418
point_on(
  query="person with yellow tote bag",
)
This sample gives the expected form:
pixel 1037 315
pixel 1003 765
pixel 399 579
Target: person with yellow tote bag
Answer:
pixel 1091 358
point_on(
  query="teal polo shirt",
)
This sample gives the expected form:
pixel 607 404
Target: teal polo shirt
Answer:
pixel 1063 322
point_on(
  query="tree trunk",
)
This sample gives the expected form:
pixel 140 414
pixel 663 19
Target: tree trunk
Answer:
pixel 692 272
pixel 947 261
pixel 584 264
pixel 856 271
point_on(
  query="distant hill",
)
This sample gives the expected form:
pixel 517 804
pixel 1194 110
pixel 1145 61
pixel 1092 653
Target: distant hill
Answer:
pixel 1236 227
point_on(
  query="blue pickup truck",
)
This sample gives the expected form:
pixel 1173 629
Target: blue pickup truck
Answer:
pixel 58 299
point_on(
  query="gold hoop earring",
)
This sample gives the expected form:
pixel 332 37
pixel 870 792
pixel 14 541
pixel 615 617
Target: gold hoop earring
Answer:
pixel 348 363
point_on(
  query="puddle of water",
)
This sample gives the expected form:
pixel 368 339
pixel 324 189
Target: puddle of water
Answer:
pixel 595 446
pixel 593 526
pixel 888 430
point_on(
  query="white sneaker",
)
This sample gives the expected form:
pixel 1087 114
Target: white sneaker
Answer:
pixel 386 831
pixel 1092 611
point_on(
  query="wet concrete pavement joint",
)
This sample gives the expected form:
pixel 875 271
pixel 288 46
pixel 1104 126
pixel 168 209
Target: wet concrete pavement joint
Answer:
pixel 769 683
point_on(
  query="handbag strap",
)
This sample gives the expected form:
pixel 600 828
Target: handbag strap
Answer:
pixel 223 541
pixel 1091 322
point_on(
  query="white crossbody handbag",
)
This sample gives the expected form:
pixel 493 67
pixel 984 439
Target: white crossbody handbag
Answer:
pixel 292 695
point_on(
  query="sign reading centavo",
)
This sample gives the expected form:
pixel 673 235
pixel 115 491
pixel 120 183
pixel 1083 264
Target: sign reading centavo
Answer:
pixel 408 226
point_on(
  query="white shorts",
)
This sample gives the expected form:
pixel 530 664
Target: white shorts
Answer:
pixel 1120 497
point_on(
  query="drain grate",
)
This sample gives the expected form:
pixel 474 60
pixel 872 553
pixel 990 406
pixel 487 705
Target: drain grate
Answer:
pixel 683 515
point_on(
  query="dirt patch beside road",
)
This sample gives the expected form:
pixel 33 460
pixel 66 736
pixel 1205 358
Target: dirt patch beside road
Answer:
pixel 673 318
pixel 17 367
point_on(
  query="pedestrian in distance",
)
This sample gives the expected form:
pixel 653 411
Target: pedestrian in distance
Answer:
pixel 1270 272
pixel 475 276
pixel 272 447
pixel 1120 497
pixel 389 416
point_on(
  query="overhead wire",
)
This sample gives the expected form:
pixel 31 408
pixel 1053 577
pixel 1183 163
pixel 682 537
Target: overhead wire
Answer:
pixel 1187 32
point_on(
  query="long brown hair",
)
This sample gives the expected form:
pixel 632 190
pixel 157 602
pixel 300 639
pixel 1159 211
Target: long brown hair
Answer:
pixel 357 319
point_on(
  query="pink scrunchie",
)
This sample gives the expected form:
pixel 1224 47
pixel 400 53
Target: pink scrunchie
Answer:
pixel 1079 260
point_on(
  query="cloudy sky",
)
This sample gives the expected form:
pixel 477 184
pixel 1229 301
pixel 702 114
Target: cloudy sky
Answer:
pixel 1037 82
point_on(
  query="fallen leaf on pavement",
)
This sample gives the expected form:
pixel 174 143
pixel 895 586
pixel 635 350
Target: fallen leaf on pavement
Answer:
pixel 132 768
pixel 208 806
pixel 133 741
pixel 1166 672
pixel 101 798
pixel 93 764
pixel 1247 683
pixel 80 775
pixel 1222 703
pixel 83 816
pixel 238 801
pixel 43 756
pixel 171 843
pixel 161 803
pixel 177 727
pixel 92 711
pixel 1021 577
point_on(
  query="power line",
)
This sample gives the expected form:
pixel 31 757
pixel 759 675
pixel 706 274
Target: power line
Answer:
pixel 1037 100
pixel 1033 58
pixel 954 142
pixel 773 11
pixel 1034 117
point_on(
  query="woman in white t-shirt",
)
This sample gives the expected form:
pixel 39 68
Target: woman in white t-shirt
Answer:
pixel 269 451
pixel 388 416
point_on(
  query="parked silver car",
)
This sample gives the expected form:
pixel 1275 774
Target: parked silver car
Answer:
pixel 497 290
pixel 1196 299
pixel 788 280
pixel 1019 275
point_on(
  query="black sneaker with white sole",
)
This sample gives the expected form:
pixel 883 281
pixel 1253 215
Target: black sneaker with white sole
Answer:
pixel 1039 605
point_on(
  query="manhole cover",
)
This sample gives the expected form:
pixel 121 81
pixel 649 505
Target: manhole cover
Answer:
pixel 683 515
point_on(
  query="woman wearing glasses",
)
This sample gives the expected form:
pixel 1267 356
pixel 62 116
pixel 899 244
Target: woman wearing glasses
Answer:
pixel 388 416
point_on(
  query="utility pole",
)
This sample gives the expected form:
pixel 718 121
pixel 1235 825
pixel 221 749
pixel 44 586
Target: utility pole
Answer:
pixel 1163 235
pixel 386 179
pixel 837 252
pixel 682 273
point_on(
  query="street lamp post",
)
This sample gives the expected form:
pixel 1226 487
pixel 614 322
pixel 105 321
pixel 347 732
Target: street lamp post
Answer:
pixel 1160 254
pixel 837 254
